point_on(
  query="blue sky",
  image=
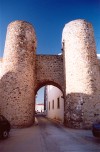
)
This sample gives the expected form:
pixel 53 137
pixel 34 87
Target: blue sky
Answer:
pixel 48 18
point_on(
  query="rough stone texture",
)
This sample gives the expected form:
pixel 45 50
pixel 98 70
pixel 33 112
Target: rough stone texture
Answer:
pixel 82 75
pixel 76 72
pixel 23 73
pixel 17 80
pixel 99 62
pixel 49 70
pixel 1 62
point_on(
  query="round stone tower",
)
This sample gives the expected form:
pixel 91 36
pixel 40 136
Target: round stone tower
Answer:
pixel 82 74
pixel 18 75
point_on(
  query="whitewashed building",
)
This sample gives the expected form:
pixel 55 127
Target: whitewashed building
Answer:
pixel 39 107
pixel 54 103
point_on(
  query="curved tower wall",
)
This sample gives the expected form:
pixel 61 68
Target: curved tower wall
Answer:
pixel 1 62
pixel 18 75
pixel 21 71
pixel 82 74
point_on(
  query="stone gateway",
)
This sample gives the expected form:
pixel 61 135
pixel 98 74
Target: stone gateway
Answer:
pixel 76 72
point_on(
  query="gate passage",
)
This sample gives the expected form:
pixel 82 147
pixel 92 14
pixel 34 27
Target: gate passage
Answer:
pixel 76 72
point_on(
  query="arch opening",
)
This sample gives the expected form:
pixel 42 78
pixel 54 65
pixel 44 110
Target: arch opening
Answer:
pixel 52 103
pixel 45 83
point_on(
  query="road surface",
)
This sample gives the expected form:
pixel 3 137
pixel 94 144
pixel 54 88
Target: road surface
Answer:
pixel 49 137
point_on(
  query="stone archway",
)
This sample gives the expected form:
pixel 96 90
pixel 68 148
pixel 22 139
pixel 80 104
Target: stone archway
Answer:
pixel 76 72
pixel 49 69
pixel 23 72
pixel 41 84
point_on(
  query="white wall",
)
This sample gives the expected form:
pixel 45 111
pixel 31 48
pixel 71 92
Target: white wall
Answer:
pixel 39 107
pixel 52 94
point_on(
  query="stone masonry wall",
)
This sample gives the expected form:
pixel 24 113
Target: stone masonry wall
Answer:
pixel 99 62
pixel 76 72
pixel 1 62
pixel 49 70
pixel 82 75
pixel 17 80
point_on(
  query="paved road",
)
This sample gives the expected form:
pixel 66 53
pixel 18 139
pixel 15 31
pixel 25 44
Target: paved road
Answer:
pixel 49 137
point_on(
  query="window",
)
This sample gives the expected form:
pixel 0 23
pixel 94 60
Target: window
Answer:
pixel 58 103
pixel 49 105
pixel 52 104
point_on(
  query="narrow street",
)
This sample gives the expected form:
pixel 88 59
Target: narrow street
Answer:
pixel 49 137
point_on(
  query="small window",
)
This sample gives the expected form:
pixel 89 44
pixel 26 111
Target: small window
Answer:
pixel 58 103
pixel 52 104
pixel 49 105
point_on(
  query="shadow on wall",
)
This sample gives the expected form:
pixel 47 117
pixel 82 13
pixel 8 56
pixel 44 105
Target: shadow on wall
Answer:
pixel 15 101
pixel 81 110
pixel 9 94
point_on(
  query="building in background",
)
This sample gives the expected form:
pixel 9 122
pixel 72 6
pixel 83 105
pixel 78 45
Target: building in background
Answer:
pixel 54 103
pixel 39 108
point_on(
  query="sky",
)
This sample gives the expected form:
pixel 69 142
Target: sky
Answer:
pixel 48 18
